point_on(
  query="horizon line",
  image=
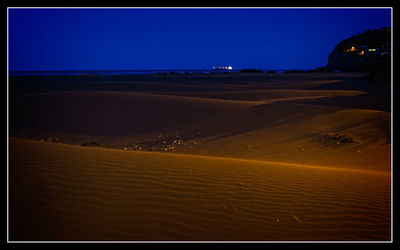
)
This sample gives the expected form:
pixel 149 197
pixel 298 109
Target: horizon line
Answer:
pixel 198 69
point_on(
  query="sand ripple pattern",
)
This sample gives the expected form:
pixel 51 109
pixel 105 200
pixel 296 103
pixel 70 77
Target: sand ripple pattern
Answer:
pixel 65 192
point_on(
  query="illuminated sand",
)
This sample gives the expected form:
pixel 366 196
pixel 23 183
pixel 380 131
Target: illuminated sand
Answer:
pixel 66 192
pixel 255 159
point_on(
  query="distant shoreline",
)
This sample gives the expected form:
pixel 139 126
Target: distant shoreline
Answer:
pixel 136 72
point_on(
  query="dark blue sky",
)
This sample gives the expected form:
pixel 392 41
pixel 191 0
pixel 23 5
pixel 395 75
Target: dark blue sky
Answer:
pixel 71 39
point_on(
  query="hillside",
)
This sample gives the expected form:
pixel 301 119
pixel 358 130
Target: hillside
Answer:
pixel 365 52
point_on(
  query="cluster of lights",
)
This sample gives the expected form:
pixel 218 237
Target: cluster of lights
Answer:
pixel 353 49
pixel 223 68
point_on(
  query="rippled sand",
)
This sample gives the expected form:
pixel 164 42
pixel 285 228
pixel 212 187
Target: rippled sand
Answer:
pixel 65 192
pixel 224 157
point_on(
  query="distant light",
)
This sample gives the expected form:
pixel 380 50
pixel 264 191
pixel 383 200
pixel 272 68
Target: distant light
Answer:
pixel 371 49
pixel 222 67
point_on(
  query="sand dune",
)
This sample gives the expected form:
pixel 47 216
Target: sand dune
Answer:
pixel 292 133
pixel 66 192
pixel 269 95
pixel 113 114
pixel 244 157
pixel 275 130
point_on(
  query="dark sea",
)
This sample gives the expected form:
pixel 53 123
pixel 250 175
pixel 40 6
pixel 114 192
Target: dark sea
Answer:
pixel 107 72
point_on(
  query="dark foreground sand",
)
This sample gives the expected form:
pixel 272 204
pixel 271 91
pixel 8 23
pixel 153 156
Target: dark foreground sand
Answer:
pixel 241 157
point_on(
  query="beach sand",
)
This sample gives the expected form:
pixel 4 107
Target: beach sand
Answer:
pixel 256 157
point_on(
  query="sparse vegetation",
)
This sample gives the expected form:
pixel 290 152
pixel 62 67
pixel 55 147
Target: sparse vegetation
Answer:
pixel 338 138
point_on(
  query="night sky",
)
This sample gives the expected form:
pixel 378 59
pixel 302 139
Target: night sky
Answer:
pixel 134 39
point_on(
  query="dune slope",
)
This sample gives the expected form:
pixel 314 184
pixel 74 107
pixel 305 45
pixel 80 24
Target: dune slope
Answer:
pixel 275 129
pixel 113 115
pixel 67 192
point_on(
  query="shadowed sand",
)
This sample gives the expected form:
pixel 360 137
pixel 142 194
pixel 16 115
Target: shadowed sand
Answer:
pixel 270 130
pixel 224 157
